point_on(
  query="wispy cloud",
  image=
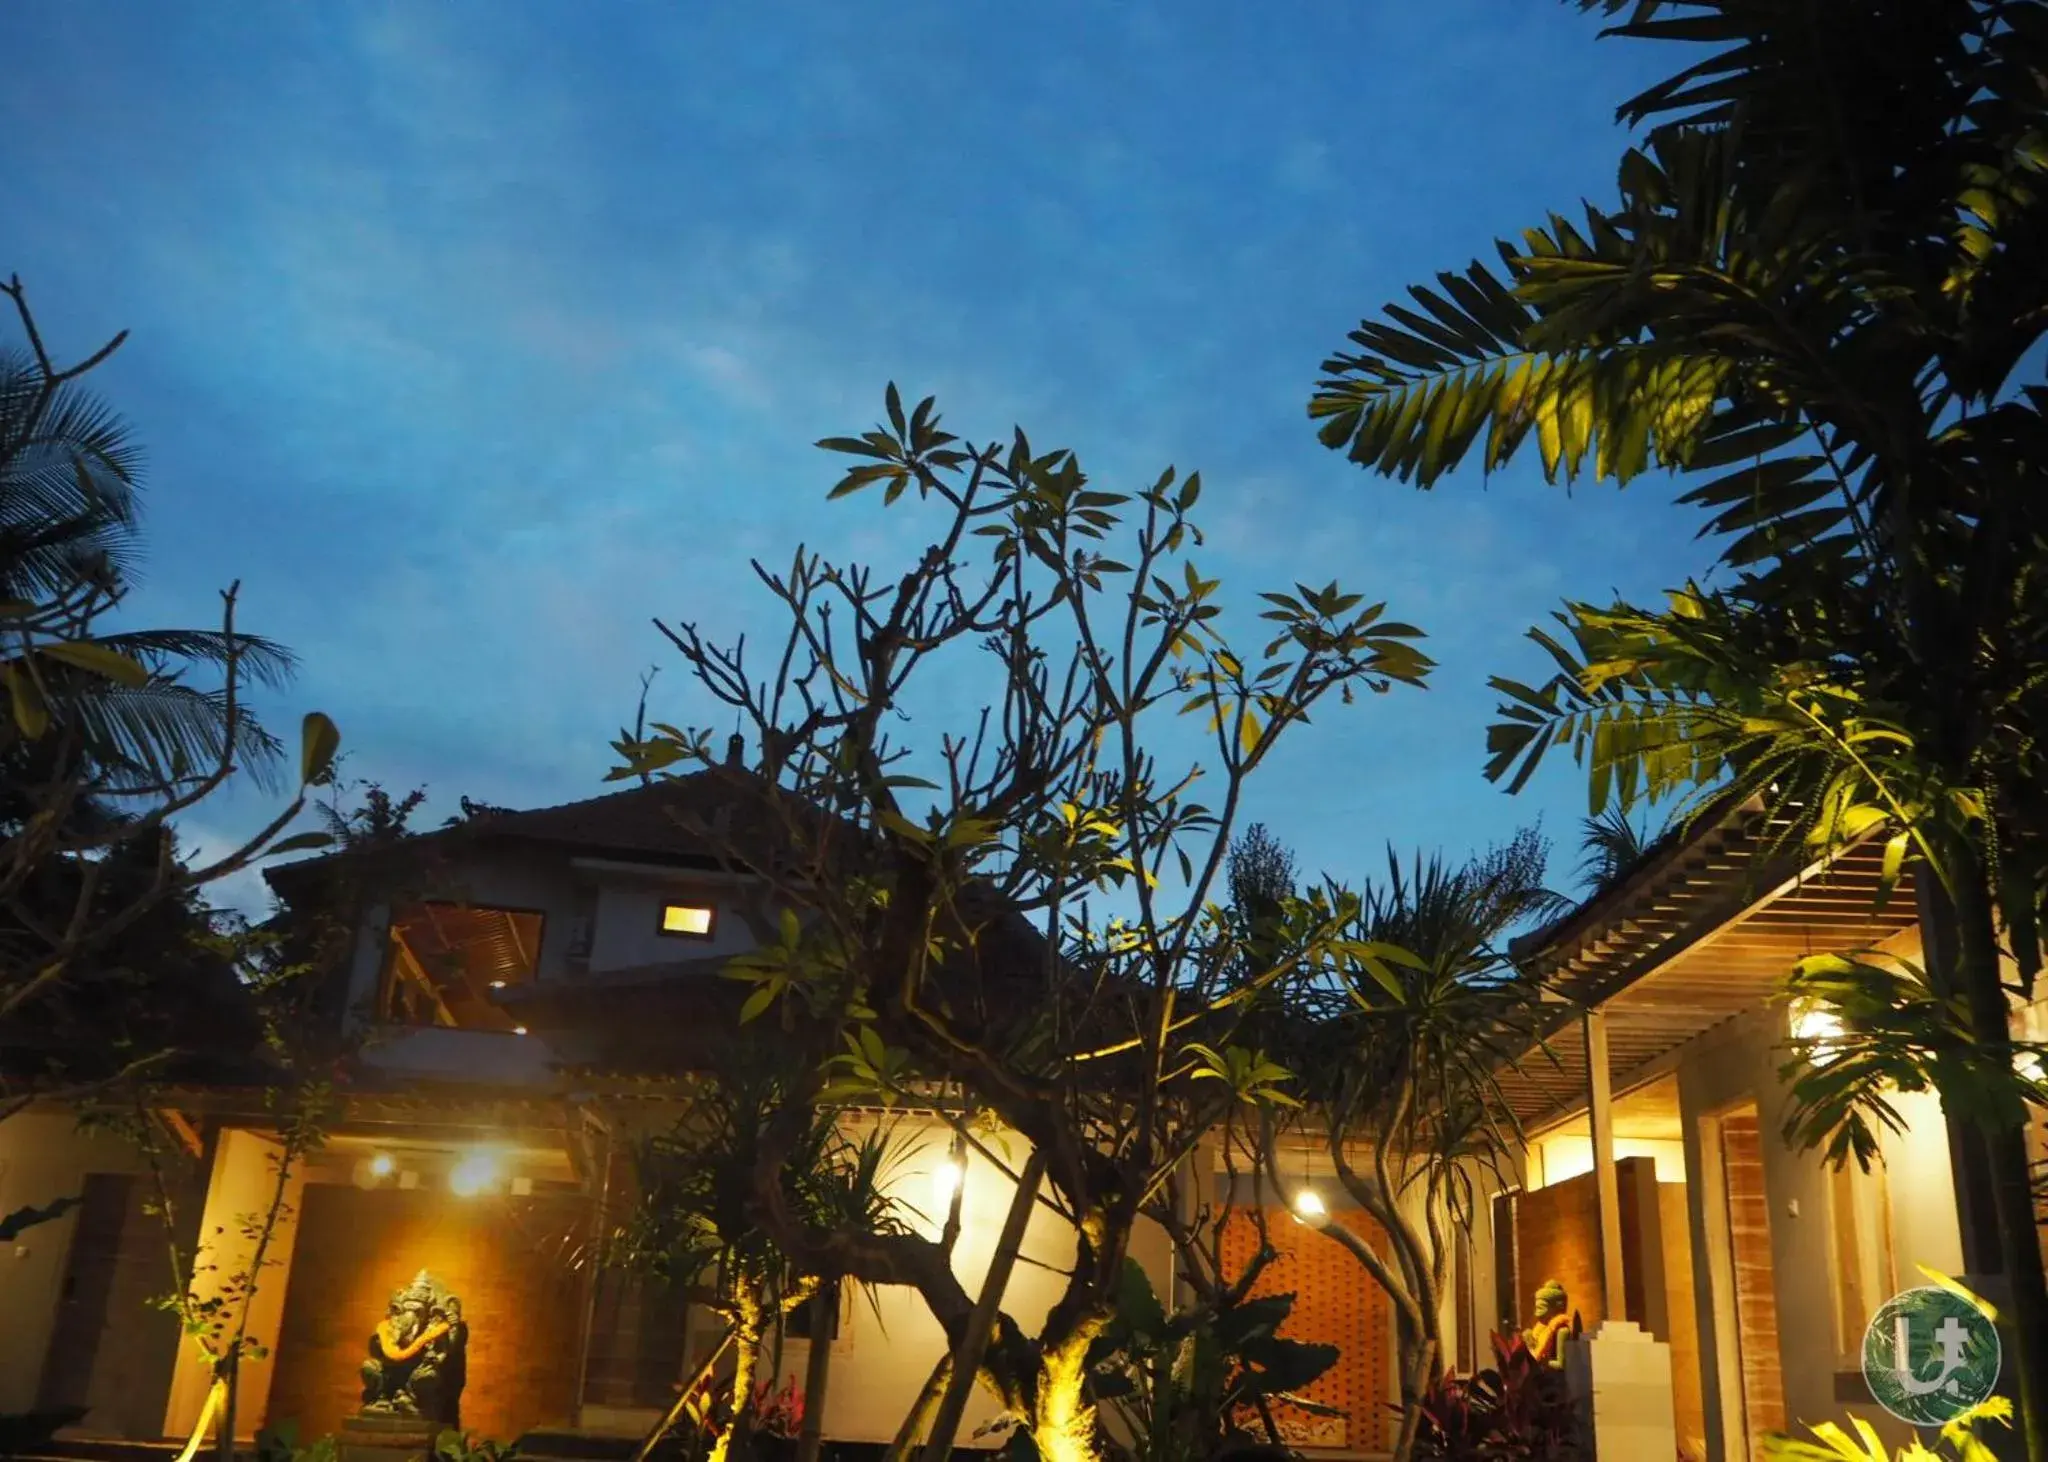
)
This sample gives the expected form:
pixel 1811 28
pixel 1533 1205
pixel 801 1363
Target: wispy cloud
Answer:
pixel 474 338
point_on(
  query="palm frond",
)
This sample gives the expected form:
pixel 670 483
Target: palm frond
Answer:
pixel 144 738
pixel 175 651
pixel 73 457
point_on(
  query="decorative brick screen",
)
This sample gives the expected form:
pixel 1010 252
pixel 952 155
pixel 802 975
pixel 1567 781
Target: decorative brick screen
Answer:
pixel 1337 1304
pixel 525 1311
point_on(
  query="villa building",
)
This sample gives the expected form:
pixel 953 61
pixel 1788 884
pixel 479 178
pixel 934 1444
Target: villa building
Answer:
pixel 533 981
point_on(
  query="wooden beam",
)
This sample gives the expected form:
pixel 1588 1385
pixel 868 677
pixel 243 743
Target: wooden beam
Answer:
pixel 1600 1109
pixel 180 1127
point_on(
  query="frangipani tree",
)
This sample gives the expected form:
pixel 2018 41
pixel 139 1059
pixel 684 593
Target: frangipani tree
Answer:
pixel 1024 907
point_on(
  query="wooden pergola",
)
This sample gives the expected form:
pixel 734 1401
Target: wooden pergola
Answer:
pixel 1703 931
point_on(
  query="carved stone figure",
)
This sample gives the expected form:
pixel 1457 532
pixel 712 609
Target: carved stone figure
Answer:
pixel 1545 1338
pixel 419 1356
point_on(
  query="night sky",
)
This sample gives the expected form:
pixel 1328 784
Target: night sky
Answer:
pixel 470 336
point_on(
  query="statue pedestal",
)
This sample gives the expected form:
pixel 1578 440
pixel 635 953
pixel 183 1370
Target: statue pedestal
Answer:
pixel 1620 1379
pixel 373 1436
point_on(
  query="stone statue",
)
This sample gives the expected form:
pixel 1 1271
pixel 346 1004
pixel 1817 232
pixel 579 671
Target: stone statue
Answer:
pixel 1545 1338
pixel 419 1356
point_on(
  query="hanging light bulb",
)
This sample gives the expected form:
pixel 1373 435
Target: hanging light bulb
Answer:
pixel 947 1179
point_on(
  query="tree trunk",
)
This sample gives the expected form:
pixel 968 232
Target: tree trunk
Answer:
pixel 1062 1420
pixel 682 1402
pixel 746 1360
pixel 817 1372
pixel 1416 1376
pixel 229 1371
pixel 2006 1181
pixel 920 1411
pixel 972 1347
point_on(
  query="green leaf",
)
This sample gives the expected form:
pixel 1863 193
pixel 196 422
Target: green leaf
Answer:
pixel 759 1001
pixel 1137 1306
pixel 100 660
pixel 299 843
pixel 31 712
pixel 319 740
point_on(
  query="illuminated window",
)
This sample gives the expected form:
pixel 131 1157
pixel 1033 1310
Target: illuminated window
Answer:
pixel 688 921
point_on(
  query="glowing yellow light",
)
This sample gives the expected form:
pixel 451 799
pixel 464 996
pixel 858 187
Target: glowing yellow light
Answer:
pixel 497 984
pixel 518 1030
pixel 1310 1209
pixel 473 1174
pixel 381 1165
pixel 1821 1029
pixel 946 1180
pixel 685 919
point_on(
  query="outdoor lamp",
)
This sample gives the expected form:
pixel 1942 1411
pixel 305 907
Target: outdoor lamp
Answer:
pixel 1310 1209
pixel 473 1174
pixel 947 1178
pixel 1821 1028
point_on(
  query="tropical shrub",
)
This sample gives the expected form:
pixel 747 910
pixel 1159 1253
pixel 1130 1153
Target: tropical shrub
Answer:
pixel 1200 1379
pixel 1516 1409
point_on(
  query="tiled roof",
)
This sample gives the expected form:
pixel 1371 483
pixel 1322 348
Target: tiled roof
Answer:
pixel 653 821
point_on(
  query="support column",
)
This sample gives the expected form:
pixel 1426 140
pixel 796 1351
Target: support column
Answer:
pixel 1619 1375
pixel 1600 1114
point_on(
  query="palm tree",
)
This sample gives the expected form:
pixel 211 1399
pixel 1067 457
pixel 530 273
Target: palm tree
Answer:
pixel 122 704
pixel 1821 291
pixel 108 734
pixel 1612 844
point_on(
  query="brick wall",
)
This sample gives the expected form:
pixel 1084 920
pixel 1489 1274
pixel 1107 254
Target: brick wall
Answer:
pixel 1756 1305
pixel 1335 1303
pixel 524 1309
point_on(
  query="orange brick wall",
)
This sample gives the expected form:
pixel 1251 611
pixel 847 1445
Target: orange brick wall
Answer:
pixel 1756 1305
pixel 1335 1303
pixel 524 1309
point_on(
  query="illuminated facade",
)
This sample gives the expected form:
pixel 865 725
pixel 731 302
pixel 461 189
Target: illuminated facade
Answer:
pixel 530 980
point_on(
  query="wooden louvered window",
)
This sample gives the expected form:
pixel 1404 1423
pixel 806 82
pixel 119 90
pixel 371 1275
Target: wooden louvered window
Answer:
pixel 450 964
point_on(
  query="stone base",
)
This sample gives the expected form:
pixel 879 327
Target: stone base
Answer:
pixel 385 1436
pixel 1620 1379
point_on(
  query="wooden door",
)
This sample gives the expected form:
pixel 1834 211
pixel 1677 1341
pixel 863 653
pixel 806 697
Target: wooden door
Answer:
pixel 111 1350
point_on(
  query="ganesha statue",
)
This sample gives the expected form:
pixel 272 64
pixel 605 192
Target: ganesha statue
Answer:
pixel 419 1356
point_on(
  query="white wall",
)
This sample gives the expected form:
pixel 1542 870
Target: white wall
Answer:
pixel 43 1158
pixel 887 1348
pixel 1566 1155
pixel 492 1058
pixel 628 929
pixel 1739 1062
pixel 244 1178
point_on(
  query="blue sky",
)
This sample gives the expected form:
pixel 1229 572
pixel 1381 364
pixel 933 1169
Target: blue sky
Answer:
pixel 470 336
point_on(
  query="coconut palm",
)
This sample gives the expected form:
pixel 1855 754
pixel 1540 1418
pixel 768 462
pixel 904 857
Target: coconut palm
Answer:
pixel 119 706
